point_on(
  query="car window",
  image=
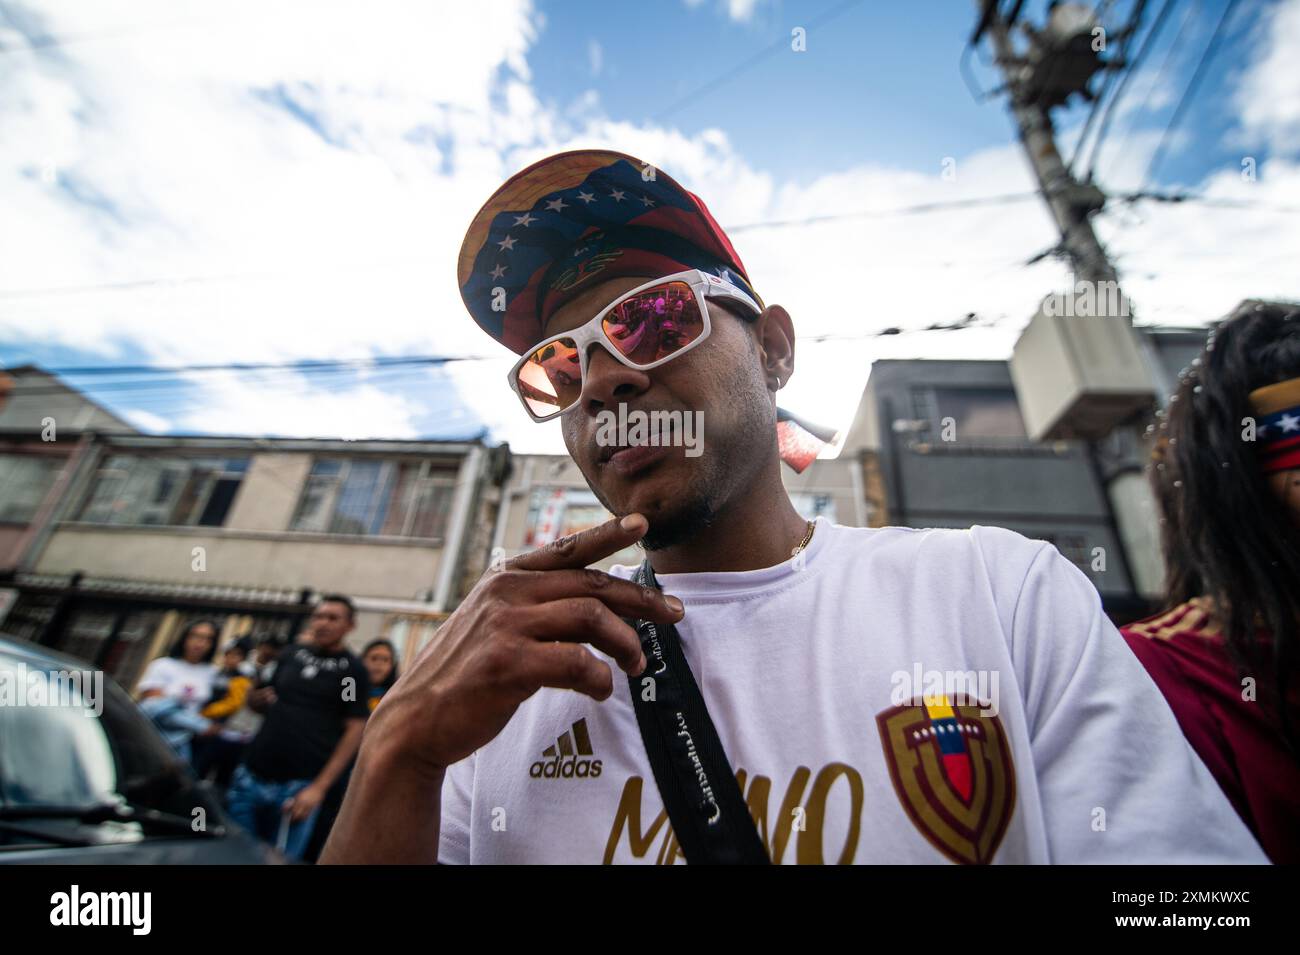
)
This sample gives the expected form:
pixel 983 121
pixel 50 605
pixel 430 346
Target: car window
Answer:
pixel 64 744
pixel 52 751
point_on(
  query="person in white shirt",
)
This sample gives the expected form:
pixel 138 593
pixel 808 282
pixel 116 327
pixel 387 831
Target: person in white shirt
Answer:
pixel 175 688
pixel 881 695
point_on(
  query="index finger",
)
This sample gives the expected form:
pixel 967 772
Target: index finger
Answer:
pixel 585 547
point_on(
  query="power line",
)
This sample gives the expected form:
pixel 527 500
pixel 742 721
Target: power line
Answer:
pixel 151 283
pixel 920 207
pixel 297 365
pixel 915 209
pixel 1124 36
pixel 1005 199
pixel 1188 19
pixel 132 285
pixel 408 363
pixel 171 395
pixel 1214 202
pixel 770 50
pixel 1147 44
pixel 162 378
pixel 1188 93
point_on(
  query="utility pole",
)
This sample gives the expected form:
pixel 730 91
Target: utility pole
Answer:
pixel 1060 61
pixel 1071 202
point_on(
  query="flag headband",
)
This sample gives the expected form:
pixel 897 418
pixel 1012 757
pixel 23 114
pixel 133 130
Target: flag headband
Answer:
pixel 1277 425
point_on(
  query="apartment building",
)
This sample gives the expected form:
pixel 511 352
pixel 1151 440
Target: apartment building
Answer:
pixel 159 530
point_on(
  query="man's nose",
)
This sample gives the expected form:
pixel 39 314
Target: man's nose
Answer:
pixel 609 381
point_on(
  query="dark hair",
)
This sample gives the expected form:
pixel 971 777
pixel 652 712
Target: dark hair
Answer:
pixel 1225 535
pixel 178 648
pixel 244 645
pixel 339 599
pixel 381 642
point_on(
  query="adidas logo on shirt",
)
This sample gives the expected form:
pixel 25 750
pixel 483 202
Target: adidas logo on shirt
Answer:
pixel 567 758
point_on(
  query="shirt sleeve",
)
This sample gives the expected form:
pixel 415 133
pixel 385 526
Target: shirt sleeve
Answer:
pixel 156 675
pixel 453 827
pixel 1117 781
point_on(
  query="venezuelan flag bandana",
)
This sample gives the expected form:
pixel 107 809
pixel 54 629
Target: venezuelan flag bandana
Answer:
pixel 1277 425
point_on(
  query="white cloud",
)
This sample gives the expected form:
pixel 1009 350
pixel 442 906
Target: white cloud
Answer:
pixel 296 406
pixel 303 183
pixel 1268 95
pixel 742 11
pixel 147 420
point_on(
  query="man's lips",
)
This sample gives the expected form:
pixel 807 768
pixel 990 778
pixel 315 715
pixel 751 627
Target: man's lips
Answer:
pixel 628 461
pixel 605 453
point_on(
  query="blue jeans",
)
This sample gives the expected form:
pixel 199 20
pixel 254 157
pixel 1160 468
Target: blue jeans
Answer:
pixel 257 805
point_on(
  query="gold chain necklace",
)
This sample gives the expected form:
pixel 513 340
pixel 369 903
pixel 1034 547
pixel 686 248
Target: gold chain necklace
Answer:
pixel 812 526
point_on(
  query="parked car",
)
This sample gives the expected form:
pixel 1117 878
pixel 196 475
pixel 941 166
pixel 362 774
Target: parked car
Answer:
pixel 85 778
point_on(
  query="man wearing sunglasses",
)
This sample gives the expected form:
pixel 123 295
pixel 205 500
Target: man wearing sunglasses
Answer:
pixel 816 664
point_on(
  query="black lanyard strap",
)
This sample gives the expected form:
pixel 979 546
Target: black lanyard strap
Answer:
pixel 696 782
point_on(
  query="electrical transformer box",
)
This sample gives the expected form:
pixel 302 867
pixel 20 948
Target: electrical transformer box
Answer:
pixel 1078 368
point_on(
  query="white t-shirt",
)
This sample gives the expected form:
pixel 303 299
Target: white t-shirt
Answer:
pixel 191 683
pixel 830 680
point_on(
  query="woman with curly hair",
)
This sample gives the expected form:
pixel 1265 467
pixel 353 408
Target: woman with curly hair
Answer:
pixel 1226 473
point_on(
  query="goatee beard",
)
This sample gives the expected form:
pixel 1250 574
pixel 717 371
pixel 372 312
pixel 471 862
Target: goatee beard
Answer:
pixel 679 527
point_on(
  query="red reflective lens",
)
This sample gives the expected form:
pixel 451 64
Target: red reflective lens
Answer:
pixel 645 328
pixel 653 324
pixel 550 380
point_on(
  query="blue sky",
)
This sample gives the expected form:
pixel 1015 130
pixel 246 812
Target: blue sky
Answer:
pixel 882 80
pixel 189 182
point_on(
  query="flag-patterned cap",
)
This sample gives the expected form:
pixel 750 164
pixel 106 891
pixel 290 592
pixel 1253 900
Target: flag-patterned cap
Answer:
pixel 575 217
pixel 583 217
pixel 1277 412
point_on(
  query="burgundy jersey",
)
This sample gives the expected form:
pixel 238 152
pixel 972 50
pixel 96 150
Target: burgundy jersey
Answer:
pixel 1238 738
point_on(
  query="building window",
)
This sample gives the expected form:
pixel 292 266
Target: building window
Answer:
pixel 184 492
pixel 25 479
pixel 979 412
pixel 375 497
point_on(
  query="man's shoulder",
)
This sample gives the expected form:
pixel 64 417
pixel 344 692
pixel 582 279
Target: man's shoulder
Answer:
pixel 997 549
